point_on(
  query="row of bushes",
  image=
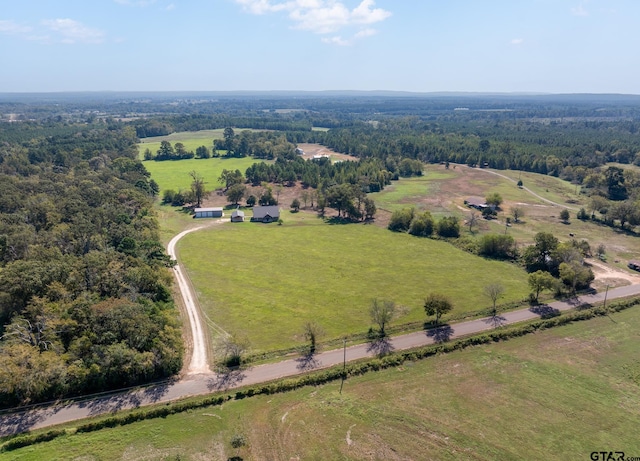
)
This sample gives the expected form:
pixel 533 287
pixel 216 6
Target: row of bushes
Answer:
pixel 331 374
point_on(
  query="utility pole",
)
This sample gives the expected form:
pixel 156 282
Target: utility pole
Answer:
pixel 344 364
pixel 604 304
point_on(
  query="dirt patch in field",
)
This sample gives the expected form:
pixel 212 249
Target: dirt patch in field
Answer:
pixel 610 275
pixel 311 150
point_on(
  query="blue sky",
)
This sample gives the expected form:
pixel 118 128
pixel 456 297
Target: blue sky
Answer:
pixel 554 46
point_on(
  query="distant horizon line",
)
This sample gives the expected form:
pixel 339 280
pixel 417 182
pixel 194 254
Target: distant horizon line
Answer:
pixel 323 92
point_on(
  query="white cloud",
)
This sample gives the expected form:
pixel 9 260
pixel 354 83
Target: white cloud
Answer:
pixel 323 16
pixel 517 41
pixel 579 11
pixel 170 6
pixel 70 31
pixel 13 28
pixel 366 33
pixel 336 40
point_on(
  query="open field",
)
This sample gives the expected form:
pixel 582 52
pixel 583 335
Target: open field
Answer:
pixel 443 193
pixel 249 276
pixel 558 394
pixel 265 281
pixel 174 174
pixel 191 140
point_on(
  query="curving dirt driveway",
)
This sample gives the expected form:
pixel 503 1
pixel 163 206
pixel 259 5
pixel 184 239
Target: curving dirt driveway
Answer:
pixel 199 361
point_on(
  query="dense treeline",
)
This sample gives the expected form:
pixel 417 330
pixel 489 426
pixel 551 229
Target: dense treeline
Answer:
pixel 84 298
pixel 162 126
pixel 522 145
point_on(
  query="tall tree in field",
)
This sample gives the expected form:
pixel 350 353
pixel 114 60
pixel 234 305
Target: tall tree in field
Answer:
pixel 228 135
pixel 541 280
pixel 312 332
pixel 198 187
pixel 236 192
pixel 437 304
pixel 494 292
pixel 517 213
pixel 382 312
pixel 202 152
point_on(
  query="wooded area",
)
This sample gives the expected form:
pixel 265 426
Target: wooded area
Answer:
pixel 85 303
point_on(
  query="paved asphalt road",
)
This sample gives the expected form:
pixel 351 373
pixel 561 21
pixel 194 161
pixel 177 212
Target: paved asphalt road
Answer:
pixel 197 384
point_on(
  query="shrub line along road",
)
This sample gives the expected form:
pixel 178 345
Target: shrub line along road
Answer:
pixel 199 380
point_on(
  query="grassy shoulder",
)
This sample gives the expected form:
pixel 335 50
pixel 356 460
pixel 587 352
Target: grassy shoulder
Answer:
pixel 266 281
pixel 557 394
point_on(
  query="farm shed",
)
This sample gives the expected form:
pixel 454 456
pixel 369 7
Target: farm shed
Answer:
pixel 214 212
pixel 266 213
pixel 237 216
pixel 634 264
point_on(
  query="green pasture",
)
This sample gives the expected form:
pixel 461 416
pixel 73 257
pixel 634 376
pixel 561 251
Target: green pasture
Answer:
pixel 266 281
pixel 174 174
pixel 555 395
pixel 191 140
pixel 552 188
pixel 408 192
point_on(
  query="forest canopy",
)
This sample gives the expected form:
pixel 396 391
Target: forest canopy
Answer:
pixel 85 303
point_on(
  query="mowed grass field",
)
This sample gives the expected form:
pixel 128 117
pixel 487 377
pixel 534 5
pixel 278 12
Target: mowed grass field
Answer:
pixel 266 281
pixel 174 174
pixel 555 395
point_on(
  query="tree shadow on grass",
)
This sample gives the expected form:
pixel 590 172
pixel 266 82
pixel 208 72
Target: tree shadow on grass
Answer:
pixel 335 220
pixel 307 362
pixel 224 379
pixel 544 311
pixel 440 334
pixel 495 320
pixel 380 346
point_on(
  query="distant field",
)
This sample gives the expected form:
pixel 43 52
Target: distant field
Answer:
pixel 443 193
pixel 191 139
pixel 267 280
pixel 174 174
pixel 555 395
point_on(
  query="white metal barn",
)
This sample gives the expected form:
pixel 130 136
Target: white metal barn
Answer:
pixel 214 212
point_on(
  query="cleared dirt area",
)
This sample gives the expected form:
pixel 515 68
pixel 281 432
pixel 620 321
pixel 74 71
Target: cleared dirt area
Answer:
pixel 311 150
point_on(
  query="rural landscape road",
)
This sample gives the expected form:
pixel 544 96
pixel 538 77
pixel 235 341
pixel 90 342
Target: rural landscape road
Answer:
pixel 207 382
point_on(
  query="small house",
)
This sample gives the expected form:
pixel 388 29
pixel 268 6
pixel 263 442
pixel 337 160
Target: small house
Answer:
pixel 266 213
pixel 634 264
pixel 237 216
pixel 476 202
pixel 213 212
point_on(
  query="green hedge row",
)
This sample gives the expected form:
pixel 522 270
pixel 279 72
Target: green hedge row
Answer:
pixel 20 442
pixel 332 374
